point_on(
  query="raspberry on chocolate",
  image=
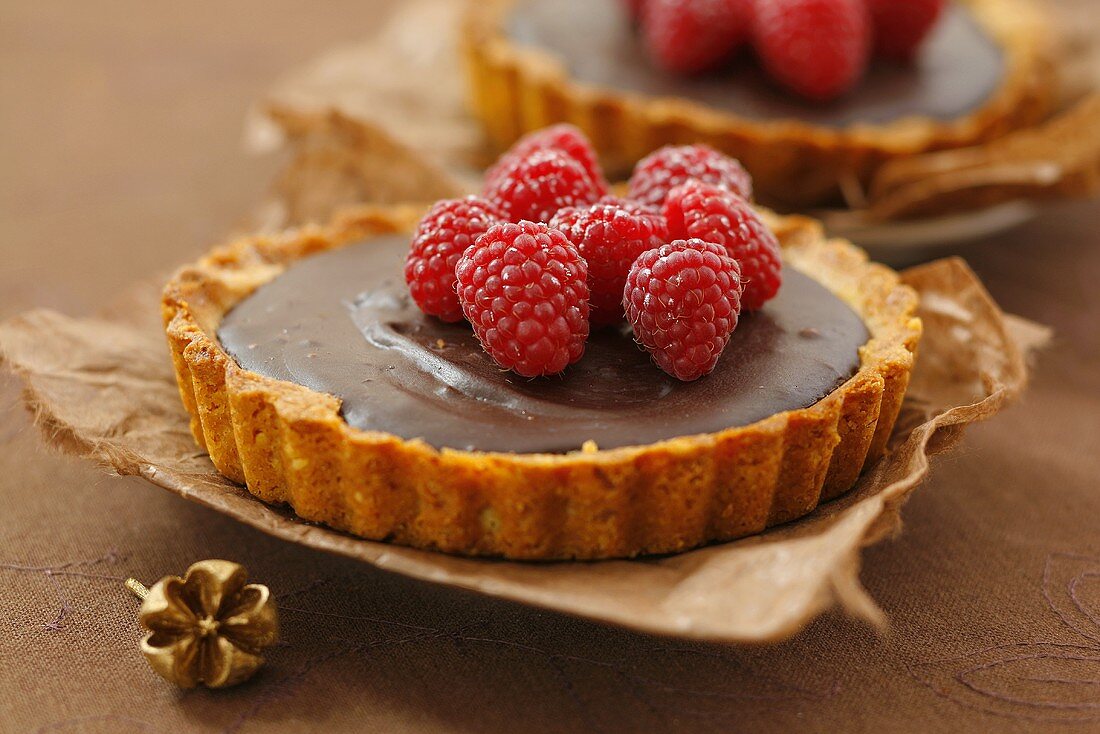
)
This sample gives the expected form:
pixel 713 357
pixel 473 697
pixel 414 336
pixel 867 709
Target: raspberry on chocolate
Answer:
pixel 715 215
pixel 683 300
pixel 444 233
pixel 610 236
pixel 562 138
pixel 668 167
pixel 694 36
pixel 900 26
pixel 524 289
pixel 535 187
pixel 816 48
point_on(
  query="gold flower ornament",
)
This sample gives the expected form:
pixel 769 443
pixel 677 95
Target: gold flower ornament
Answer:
pixel 208 627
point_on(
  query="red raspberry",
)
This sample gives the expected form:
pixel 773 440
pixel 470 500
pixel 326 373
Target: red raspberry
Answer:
pixel 634 8
pixel 564 138
pixel 635 207
pixel 522 287
pixel 444 233
pixel 610 236
pixel 816 48
pixel 901 25
pixel 535 187
pixel 715 215
pixel 668 167
pixel 693 36
pixel 683 300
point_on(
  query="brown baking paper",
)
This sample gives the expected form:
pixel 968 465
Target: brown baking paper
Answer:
pixel 103 388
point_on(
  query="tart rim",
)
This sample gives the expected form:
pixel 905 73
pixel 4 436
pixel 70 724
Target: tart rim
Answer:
pixel 515 89
pixel 288 443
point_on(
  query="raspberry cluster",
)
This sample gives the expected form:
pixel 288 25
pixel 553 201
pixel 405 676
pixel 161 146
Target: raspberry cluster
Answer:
pixel 545 254
pixel 817 48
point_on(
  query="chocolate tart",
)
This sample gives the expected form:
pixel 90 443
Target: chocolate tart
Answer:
pixel 986 70
pixel 429 445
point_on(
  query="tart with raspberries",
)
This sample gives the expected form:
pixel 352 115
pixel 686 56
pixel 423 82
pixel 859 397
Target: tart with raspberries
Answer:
pixel 813 96
pixel 548 370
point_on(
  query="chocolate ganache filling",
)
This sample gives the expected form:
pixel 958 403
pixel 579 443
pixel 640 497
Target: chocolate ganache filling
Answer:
pixel 958 69
pixel 342 322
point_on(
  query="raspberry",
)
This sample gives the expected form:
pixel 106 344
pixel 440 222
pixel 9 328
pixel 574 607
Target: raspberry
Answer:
pixel 564 138
pixel 901 25
pixel 816 48
pixel 668 167
pixel 634 207
pixel 610 236
pixel 715 215
pixel 683 300
pixel 535 187
pixel 522 287
pixel 444 233
pixel 634 8
pixel 693 36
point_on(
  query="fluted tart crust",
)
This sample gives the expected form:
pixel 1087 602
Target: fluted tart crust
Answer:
pixel 515 89
pixel 289 444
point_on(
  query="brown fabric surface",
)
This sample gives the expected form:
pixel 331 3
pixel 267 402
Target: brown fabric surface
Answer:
pixel 992 590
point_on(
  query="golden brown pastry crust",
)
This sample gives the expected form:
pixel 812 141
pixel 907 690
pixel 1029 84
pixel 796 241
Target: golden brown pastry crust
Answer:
pixel 515 90
pixel 288 443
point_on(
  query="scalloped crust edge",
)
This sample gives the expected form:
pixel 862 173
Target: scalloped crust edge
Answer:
pixel 288 444
pixel 514 90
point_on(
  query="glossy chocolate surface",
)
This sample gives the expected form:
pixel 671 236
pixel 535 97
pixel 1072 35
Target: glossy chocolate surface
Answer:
pixel 342 322
pixel 959 68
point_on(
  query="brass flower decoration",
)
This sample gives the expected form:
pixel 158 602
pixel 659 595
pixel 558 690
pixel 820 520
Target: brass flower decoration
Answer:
pixel 208 627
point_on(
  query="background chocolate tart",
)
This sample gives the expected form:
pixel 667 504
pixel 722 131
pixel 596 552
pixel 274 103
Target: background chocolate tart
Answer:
pixel 311 379
pixel 986 69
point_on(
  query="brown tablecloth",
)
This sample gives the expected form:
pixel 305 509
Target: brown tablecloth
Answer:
pixel 119 134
